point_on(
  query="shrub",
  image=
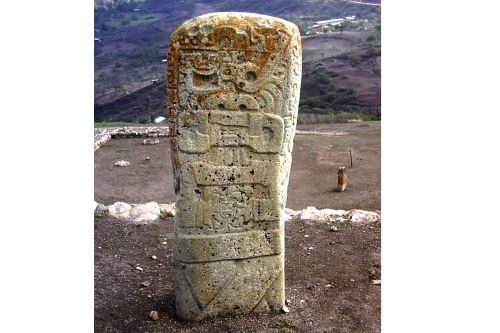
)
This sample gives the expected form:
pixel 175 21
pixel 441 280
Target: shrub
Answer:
pixel 311 102
pixel 354 59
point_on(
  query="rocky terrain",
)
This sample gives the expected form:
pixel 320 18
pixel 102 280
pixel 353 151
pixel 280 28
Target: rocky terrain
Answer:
pixel 332 279
pixel 332 256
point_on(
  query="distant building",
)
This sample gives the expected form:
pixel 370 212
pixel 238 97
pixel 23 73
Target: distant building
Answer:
pixel 333 22
pixel 159 119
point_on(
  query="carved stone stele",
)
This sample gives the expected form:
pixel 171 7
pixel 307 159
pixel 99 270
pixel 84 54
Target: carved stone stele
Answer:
pixel 233 94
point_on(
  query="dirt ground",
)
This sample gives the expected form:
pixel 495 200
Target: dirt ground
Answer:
pixel 346 260
pixel 313 176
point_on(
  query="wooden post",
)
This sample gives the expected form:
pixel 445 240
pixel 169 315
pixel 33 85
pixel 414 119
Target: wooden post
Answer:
pixel 350 153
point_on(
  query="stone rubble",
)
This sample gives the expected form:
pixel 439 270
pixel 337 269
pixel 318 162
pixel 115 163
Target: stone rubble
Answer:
pixel 167 209
pixel 363 216
pixel 154 315
pixel 150 141
pixel 100 139
pixel 122 163
pixel 120 210
pixel 146 212
pixel 137 213
pixel 334 215
pixel 152 210
pixel 103 135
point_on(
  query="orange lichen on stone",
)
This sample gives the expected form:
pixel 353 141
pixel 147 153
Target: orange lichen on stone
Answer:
pixel 233 94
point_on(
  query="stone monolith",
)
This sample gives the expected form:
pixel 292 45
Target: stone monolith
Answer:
pixel 233 94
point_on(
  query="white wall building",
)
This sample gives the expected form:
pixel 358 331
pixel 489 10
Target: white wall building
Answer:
pixel 335 21
pixel 159 119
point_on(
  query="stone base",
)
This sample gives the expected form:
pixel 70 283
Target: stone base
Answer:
pixel 241 286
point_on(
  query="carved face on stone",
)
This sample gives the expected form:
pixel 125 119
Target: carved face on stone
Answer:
pixel 233 85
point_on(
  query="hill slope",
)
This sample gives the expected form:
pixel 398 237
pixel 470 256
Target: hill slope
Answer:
pixel 132 38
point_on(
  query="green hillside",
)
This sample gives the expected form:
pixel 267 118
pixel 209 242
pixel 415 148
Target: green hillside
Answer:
pixel 341 72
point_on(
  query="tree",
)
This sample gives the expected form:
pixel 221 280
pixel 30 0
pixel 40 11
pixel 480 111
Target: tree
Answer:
pixel 340 27
pixel 345 25
pixel 303 28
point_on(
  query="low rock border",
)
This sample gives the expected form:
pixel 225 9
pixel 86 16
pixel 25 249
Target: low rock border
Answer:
pixel 331 133
pixel 103 135
pixel 311 213
pixel 135 213
pixel 151 211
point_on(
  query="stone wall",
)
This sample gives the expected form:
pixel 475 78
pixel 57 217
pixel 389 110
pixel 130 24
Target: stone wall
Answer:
pixel 103 135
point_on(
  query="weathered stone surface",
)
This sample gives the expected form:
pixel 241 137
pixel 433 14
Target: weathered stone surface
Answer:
pixel 103 135
pixel 145 212
pixel 312 213
pixel 233 90
pixel 122 163
pixel 167 209
pixel 135 213
pixel 334 215
pixel 363 216
pixel 119 210
pixel 100 139
pixel 150 141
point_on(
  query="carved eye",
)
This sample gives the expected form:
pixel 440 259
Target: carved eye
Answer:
pixel 251 76
pixel 205 81
pixel 205 78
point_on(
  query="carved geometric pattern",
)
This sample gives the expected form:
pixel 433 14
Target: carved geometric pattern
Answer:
pixel 233 92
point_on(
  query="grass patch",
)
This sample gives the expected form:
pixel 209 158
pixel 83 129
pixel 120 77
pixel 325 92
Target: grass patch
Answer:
pixel 237 315
pixel 111 124
pixel 215 318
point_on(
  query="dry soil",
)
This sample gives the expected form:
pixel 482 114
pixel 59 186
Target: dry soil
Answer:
pixel 313 176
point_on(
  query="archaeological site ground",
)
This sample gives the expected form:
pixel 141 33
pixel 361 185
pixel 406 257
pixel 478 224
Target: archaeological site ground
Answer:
pixel 238 191
pixel 329 275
